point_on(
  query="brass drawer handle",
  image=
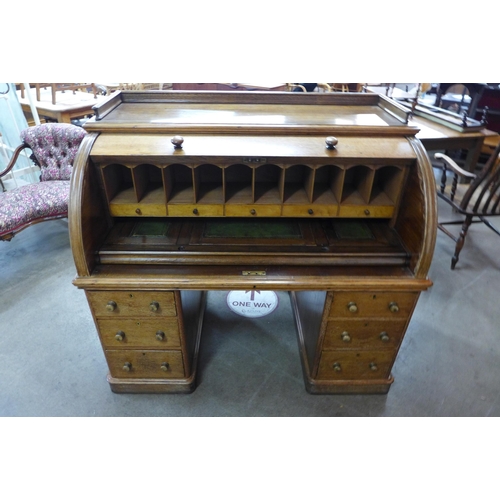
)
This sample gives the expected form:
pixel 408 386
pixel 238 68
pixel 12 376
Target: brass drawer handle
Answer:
pixel 160 335
pixel 345 337
pixel 165 367
pixel 393 307
pixel 352 306
pixel 195 211
pixel 384 337
pixel 373 367
pixel 127 367
pixel 253 212
pixel 154 306
pixel 120 336
pixel 310 211
pixel 138 211
pixel 111 306
pixel 337 367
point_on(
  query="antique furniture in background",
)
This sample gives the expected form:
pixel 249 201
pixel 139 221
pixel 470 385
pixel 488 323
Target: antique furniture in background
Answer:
pixel 54 147
pixel 59 87
pixel 476 200
pixel 488 100
pixel 329 196
pixel 68 106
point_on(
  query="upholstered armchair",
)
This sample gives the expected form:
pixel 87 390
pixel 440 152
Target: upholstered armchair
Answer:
pixel 54 147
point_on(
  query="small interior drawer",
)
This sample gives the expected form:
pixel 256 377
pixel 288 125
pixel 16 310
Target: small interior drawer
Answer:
pixel 135 304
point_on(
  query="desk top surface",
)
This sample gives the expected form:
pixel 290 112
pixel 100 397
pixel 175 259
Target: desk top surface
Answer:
pixel 250 112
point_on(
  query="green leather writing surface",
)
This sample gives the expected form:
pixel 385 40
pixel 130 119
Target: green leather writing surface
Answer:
pixel 252 229
pixel 151 228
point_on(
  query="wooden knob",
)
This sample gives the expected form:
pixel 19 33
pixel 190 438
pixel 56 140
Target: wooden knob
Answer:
pixel 345 337
pixel 352 307
pixel 160 335
pixel 127 367
pixel 120 336
pixel 165 367
pixel 154 306
pixel 384 337
pixel 337 367
pixel 393 307
pixel 331 142
pixel 177 141
pixel 111 306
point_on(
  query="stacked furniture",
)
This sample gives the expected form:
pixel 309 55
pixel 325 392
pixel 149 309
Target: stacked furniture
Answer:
pixel 327 196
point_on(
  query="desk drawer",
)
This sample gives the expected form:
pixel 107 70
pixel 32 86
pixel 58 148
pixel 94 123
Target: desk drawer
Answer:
pixel 162 333
pixel 373 304
pixel 351 365
pixel 363 334
pixel 252 210
pixel 135 304
pixel 195 210
pixel 145 364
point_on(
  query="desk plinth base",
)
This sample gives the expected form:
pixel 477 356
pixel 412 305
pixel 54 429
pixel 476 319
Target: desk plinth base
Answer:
pixel 152 386
pixel 347 386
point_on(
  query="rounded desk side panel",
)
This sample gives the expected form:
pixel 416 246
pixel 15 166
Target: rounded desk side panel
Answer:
pixel 86 213
pixel 417 218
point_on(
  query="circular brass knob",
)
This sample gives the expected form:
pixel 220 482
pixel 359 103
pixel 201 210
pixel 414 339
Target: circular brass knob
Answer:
pixel 384 337
pixel 138 211
pixel 373 367
pixel 165 367
pixel 331 142
pixel 111 306
pixel 337 367
pixel 127 367
pixel 160 335
pixel 393 307
pixel 154 306
pixel 310 211
pixel 352 307
pixel 120 336
pixel 345 337
pixel 253 212
pixel 177 141
pixel 195 211
pixel 367 212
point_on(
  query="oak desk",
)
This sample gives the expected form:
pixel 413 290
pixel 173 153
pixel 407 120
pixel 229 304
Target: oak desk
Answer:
pixel 328 196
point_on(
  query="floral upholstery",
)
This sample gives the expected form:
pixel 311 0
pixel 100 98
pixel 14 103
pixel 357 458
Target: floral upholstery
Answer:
pixel 32 203
pixel 54 147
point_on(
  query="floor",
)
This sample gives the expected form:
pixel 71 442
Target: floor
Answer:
pixel 51 362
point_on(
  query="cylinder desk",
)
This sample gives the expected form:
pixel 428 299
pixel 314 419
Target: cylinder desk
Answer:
pixel 327 196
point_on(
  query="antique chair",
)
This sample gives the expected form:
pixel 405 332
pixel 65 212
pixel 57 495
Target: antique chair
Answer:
pixel 476 199
pixel 54 147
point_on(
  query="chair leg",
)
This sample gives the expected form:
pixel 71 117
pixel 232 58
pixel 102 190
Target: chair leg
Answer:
pixel 461 240
pixel 490 225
